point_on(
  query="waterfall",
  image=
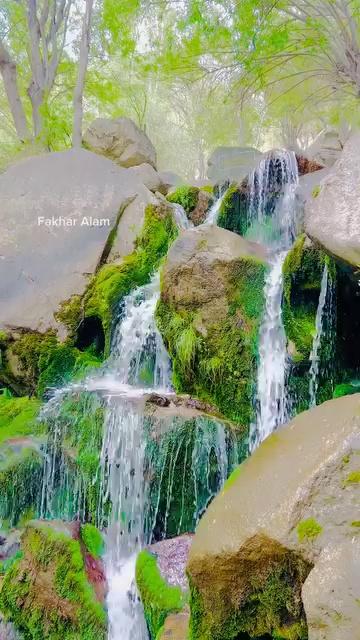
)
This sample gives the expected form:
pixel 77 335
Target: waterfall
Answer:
pixel 276 174
pixel 213 213
pixel 322 328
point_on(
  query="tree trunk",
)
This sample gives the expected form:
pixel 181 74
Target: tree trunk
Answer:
pixel 36 96
pixel 80 82
pixel 9 75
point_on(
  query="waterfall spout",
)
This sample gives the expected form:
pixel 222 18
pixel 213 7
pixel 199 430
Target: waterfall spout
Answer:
pixel 323 328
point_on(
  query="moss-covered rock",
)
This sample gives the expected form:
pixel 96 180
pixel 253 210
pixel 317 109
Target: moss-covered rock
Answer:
pixel 159 598
pixel 194 200
pixel 46 593
pixel 258 546
pixel 233 213
pixel 114 281
pixel 209 313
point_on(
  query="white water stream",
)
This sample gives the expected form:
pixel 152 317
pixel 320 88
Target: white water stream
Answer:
pixel 271 400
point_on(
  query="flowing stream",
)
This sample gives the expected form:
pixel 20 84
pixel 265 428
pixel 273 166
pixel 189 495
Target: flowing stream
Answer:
pixel 275 228
pixel 150 487
pixel 323 331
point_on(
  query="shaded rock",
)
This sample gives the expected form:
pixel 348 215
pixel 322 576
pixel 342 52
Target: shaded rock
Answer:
pixel 232 163
pixel 172 556
pixel 306 165
pixel 331 218
pixel 211 303
pixel 42 265
pixel 170 179
pixel 121 140
pixel 268 531
pixel 309 185
pixel 204 201
pixel 331 593
pixel 327 148
pixel 176 627
pixel 146 174
pixel 8 631
pixel 130 224
pixel 45 592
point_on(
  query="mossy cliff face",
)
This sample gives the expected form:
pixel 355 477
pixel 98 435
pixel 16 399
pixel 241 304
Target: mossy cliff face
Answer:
pixel 32 362
pixel 209 314
pixel 234 209
pixel 258 548
pixel 195 201
pixel 46 592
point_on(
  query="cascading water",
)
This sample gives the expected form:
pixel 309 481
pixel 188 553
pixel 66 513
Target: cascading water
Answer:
pixel 275 222
pixel 141 493
pixel 213 213
pixel 323 328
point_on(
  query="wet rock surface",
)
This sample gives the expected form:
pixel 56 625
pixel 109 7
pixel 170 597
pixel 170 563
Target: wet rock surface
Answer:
pixel 172 556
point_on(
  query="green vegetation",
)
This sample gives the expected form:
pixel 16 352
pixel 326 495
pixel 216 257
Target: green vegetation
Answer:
pixel 18 417
pixel 353 478
pixel 355 523
pixel 113 282
pixel 187 196
pixel 233 210
pixel 92 540
pixel 159 598
pixel 219 366
pixel 316 191
pixel 308 529
pixel 272 606
pixel 46 592
pixel 346 389
pixel 20 481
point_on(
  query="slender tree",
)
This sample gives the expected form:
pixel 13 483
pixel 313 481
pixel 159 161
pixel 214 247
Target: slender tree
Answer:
pixel 82 68
pixel 8 70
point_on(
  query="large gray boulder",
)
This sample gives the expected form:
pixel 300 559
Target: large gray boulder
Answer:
pixel 332 217
pixel 121 140
pixel 326 149
pixel 232 163
pixel 146 174
pixel 57 213
pixel 278 549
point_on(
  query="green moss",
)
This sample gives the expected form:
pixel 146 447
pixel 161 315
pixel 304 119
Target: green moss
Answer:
pixel 270 606
pixel 345 389
pixel 316 191
pixel 92 540
pixel 70 314
pixel 18 417
pixel 45 363
pixel 355 523
pixel 76 431
pixel 308 529
pixel 186 196
pixel 114 281
pixel 233 210
pixel 46 593
pixel 219 367
pixel 20 481
pixel 353 478
pixel 158 597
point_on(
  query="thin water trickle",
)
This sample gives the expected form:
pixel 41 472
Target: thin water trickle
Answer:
pixel 275 173
pixel 323 328
pixel 213 213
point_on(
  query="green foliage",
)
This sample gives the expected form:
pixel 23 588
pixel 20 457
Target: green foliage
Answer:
pixel 20 481
pixel 308 529
pixel 92 540
pixel 65 607
pixel 270 607
pixel 316 191
pixel 233 210
pixel 353 478
pixel 45 363
pixel 187 196
pixel 18 417
pixel 346 389
pixel 158 597
pixel 219 367
pixel 113 282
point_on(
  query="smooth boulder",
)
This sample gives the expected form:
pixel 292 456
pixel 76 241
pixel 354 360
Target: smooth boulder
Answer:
pixel 332 215
pixel 121 140
pixel 265 539
pixel 146 174
pixel 57 213
pixel 232 163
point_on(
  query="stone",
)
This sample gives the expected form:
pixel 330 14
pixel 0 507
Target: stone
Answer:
pixel 121 140
pixel 170 179
pixel 332 215
pixel 43 264
pixel 331 593
pixel 210 307
pixel 286 515
pixel 8 631
pixel 176 627
pixel 327 148
pixel 146 174
pixel 130 224
pixel 172 556
pixel 232 163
